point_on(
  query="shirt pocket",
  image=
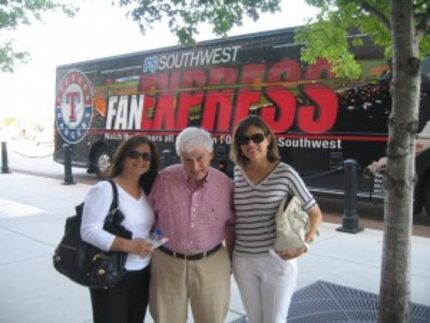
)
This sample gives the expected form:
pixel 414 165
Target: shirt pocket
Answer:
pixel 208 210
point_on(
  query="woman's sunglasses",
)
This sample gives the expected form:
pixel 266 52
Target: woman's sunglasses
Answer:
pixel 256 138
pixel 133 154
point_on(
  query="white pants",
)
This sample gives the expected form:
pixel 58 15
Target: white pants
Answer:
pixel 266 285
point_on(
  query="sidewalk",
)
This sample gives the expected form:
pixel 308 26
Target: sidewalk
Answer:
pixel 32 214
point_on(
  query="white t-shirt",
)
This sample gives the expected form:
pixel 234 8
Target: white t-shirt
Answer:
pixel 138 214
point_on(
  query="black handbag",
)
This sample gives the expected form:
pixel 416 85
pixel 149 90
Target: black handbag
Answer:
pixel 86 264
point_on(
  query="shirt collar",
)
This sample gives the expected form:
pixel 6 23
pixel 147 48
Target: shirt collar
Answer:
pixel 205 180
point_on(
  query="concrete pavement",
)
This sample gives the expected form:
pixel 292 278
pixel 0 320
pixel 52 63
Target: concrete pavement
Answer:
pixel 32 214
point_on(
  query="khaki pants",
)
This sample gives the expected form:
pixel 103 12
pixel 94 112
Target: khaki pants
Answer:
pixel 205 283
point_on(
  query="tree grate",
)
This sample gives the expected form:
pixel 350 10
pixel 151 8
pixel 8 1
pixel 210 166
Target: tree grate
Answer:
pixel 323 302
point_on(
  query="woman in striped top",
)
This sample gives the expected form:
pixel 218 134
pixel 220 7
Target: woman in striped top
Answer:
pixel 266 282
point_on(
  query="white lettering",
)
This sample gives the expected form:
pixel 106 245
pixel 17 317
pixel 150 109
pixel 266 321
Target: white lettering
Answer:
pixel 193 58
pixel 206 57
pixel 235 49
pixel 310 143
pixel 162 62
pixel 111 112
pixel 226 55
pixel 170 61
pixel 316 143
pixel 227 139
pixel 178 60
pixel 186 58
pixel 122 113
pixel 136 108
pixel 216 55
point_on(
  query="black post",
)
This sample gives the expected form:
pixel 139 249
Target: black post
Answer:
pixel 350 219
pixel 4 161
pixel 68 176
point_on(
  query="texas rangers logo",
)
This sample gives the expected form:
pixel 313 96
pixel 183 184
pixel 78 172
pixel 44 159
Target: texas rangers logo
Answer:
pixel 73 106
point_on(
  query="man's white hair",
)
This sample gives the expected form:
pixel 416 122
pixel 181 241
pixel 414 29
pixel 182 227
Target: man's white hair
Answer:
pixel 191 138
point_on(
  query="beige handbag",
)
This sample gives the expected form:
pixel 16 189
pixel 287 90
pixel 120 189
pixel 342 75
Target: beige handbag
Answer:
pixel 292 224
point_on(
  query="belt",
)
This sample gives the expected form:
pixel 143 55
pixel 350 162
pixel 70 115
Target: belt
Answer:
pixel 189 256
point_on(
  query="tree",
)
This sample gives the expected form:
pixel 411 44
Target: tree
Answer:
pixel 14 13
pixel 184 16
pixel 402 27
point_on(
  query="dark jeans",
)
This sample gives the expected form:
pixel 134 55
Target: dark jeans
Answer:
pixel 125 303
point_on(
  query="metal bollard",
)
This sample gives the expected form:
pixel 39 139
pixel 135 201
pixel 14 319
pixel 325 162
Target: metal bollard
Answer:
pixel 350 219
pixel 68 176
pixel 4 160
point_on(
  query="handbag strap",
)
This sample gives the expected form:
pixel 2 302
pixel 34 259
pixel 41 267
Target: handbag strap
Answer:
pixel 114 203
pixel 288 199
pixel 115 217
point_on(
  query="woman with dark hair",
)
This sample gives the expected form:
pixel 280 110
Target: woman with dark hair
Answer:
pixel 266 282
pixel 134 168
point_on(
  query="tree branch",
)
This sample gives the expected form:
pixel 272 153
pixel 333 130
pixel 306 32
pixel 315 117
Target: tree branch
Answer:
pixel 423 25
pixel 376 12
pixel 418 4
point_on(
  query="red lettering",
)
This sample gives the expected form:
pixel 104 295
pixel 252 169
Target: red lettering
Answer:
pixel 164 117
pixel 190 99
pixel 148 87
pixel 280 116
pixel 320 70
pixel 72 99
pixel 285 70
pixel 219 103
pixel 252 74
pixel 319 118
pixel 278 105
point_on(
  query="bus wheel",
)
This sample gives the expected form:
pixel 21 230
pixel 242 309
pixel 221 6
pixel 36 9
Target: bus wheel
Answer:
pixel 103 161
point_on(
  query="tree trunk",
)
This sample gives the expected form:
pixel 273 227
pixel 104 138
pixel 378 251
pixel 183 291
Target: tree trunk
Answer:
pixel 399 178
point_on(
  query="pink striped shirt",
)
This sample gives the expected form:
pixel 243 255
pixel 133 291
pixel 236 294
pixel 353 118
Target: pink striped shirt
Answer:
pixel 192 219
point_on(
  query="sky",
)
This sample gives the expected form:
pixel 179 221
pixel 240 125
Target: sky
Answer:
pixel 98 30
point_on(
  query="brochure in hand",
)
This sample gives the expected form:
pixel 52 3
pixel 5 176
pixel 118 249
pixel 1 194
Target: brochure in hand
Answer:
pixel 157 239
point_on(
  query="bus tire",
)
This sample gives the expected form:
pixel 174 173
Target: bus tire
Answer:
pixel 102 161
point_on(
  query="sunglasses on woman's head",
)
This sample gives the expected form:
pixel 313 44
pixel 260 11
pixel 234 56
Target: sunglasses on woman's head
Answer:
pixel 133 154
pixel 256 138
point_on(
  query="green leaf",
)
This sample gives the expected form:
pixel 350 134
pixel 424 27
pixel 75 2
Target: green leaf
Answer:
pixel 16 13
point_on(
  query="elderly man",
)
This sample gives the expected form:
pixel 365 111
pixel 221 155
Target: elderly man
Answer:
pixel 193 206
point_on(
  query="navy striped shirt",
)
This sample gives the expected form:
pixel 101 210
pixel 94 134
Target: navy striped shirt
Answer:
pixel 256 206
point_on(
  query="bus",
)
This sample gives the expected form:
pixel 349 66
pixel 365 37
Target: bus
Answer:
pixel 320 120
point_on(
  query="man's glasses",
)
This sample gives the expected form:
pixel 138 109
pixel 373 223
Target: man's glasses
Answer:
pixel 133 154
pixel 256 138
